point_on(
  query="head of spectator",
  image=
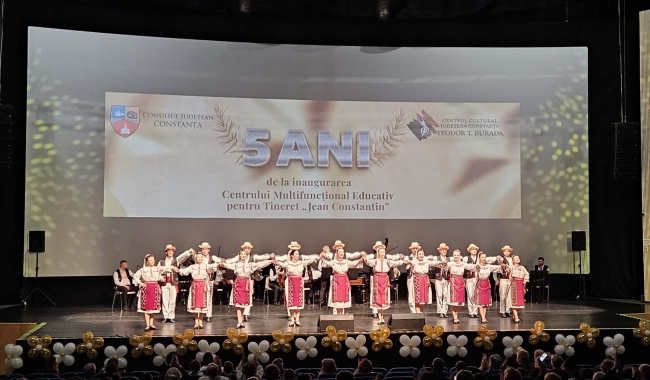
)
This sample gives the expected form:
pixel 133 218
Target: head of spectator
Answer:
pixel 364 366
pixel 289 374
pixel 228 368
pixel 495 362
pixel 304 376
pixel 213 370
pixel 480 376
pixel 207 359
pixel 344 375
pixel 523 359
pixel 644 371
pixel 437 366
pixel 271 372
pixel 253 378
pixel 607 365
pixel 279 363
pixel 552 376
pixel 249 369
pixel 598 376
pixel 569 365
pixel 512 374
pixel 428 374
pixel 173 374
pixel 195 366
pixel 111 366
pixel 328 365
pixel 556 361
pixel 627 373
pixel 460 365
pixel 89 370
pixel 466 375
pixel 586 374
pixel 145 376
pixel 51 365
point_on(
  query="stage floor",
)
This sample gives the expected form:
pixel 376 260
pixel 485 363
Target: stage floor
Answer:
pixel 71 321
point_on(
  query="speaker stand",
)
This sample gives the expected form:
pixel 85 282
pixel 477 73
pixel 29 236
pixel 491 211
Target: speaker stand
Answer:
pixel 36 289
pixel 581 278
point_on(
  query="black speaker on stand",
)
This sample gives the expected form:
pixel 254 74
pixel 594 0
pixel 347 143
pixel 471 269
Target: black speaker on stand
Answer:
pixel 579 245
pixel 36 244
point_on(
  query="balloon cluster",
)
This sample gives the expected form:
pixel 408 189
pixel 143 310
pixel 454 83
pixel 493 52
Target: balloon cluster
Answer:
pixel 306 347
pixel 587 334
pixel 281 341
pixel 513 345
pixel 161 353
pixel 234 341
pixel 432 336
pixel 537 333
pixel 204 348
pixel 185 342
pixel 116 353
pixel 409 346
pixel 258 351
pixel 564 344
pixel 90 345
pixel 63 354
pixel 614 345
pixel 39 346
pixel 13 359
pixel 485 338
pixel 141 345
pixel 457 345
pixel 356 346
pixel 381 339
pixel 334 338
pixel 643 333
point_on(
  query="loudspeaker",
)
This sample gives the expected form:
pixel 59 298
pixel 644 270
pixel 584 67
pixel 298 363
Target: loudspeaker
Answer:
pixel 627 150
pixel 340 322
pixel 412 322
pixel 36 241
pixel 578 241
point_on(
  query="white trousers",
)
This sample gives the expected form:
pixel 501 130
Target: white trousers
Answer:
pixel 442 296
pixel 411 299
pixel 168 301
pixel 504 296
pixel 470 285
pixel 208 313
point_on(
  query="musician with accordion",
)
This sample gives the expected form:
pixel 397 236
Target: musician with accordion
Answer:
pixel 277 277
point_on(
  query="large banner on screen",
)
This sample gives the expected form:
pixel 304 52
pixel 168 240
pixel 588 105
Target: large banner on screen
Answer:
pixel 207 157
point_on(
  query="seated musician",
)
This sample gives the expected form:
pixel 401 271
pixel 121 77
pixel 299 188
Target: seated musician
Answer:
pixel 123 280
pixel 221 282
pixel 277 276
pixel 540 265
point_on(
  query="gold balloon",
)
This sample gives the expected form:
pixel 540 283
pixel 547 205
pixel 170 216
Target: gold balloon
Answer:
pixel 341 335
pixel 46 353
pixel 376 346
pixel 227 344
pixel 231 333
pixel 98 342
pixel 181 350
pixel 146 338
pixel 438 330
pixel 645 341
pixel 595 332
pixel 478 341
pixel 188 334
pixel 192 345
pixel 242 337
pixel 388 344
pixel 286 348
pixel 46 340
pixel 482 331
pixel 427 341
pixel 277 334
pixel 584 327
pixel 488 345
pixel 336 346
pixel 32 353
pixel 385 332
pixel 177 339
pixel 288 336
pixel 533 339
pixel 92 353
pixel 591 343
pixel 581 338
pixel 637 333
pixel 32 341
pixel 148 350
pixel 437 342
pixel 238 349
pixel 545 337
pixel 330 331
pixel 136 352
pixel 492 334
pixel 81 348
pixel 326 341
pixel 428 330
pixel 375 334
pixel 644 325
pixel 275 346
pixel 539 325
pixel 87 337
pixel 135 340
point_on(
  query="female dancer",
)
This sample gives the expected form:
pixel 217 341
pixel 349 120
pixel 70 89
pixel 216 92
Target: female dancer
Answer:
pixel 200 296
pixel 380 283
pixel 518 280
pixel 483 290
pixel 294 289
pixel 456 283
pixel 420 287
pixel 148 278
pixel 340 290
pixel 241 295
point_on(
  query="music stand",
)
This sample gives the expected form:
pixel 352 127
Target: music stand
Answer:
pixel 36 289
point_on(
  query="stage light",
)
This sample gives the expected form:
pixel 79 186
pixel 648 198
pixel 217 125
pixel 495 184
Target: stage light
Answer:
pixel 382 9
pixel 245 6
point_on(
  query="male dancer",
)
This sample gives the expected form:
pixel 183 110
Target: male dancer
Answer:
pixel 169 267
pixel 414 247
pixel 441 282
pixel 470 280
pixel 504 283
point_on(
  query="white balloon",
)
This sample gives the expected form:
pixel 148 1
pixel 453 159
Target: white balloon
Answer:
pixel 57 347
pixel 251 357
pixel 507 352
pixel 518 340
pixel 570 340
pixel 404 351
pixel 38 347
pixel 570 351
pixel 559 349
pixel 610 351
pixel 214 347
pixel 608 341
pixel 158 360
pixel 620 350
pixel 352 353
pixel 264 345
pixel 170 348
pixel 619 339
pixel 68 360
pixel 16 363
pixel 405 340
pixel 415 340
pixel 199 356
pixel 68 349
pixel 311 341
pixel 264 357
pixel 363 351
pixel 8 348
pixel 301 354
pixel 7 363
pixel 350 342
pixel 121 351
pixel 300 343
pixel 18 350
pixel 253 347
pixel 203 345
pixel 109 351
pixel 462 340
pixel 507 341
pixel 415 352
pixel 361 340
pixel 312 352
pixel 559 338
pixel 58 358
pixel 452 340
pixel 462 352
pixel 121 362
pixel 451 351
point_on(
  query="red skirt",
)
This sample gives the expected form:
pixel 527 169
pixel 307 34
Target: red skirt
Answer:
pixel 380 296
pixel 241 291
pixel 149 297
pixel 340 288
pixel 198 290
pixel 295 292
pixel 456 291
pixel 517 293
pixel 483 293
pixel 421 285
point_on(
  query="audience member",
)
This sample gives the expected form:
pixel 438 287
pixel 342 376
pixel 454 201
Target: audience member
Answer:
pixel 272 372
pixel 207 359
pixel 327 366
pixel 173 374
pixel 213 372
pixel 51 366
pixel 511 374
pixel 246 369
pixel 364 366
pixel 460 365
pixel 280 364
pixel 556 366
pixel 289 374
pixel 438 366
pixel 228 369
pixel 344 375
pixel 195 367
pixel 467 375
pixel 428 374
pixel 89 370
pixel 304 376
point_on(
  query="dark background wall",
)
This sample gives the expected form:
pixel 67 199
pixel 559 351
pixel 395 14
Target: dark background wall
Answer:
pixel 615 205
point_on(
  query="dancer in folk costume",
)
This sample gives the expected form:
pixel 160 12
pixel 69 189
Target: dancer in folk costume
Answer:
pixel 327 271
pixel 294 290
pixel 420 287
pixel 441 280
pixel 518 280
pixel 456 269
pixel 169 267
pixel 503 282
pixel 483 291
pixel 199 298
pixel 393 256
pixel 340 289
pixel 380 282
pixel 414 247
pixel 148 278
pixel 242 288
pixel 207 260
pixel 470 278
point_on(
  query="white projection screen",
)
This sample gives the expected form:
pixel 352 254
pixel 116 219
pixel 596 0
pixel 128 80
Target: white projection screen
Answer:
pixel 137 142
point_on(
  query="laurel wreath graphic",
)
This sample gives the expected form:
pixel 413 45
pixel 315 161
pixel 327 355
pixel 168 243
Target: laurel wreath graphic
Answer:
pixel 229 134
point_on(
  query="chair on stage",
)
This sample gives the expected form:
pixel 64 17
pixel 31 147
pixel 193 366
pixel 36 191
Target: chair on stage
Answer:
pixel 129 293
pixel 539 286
